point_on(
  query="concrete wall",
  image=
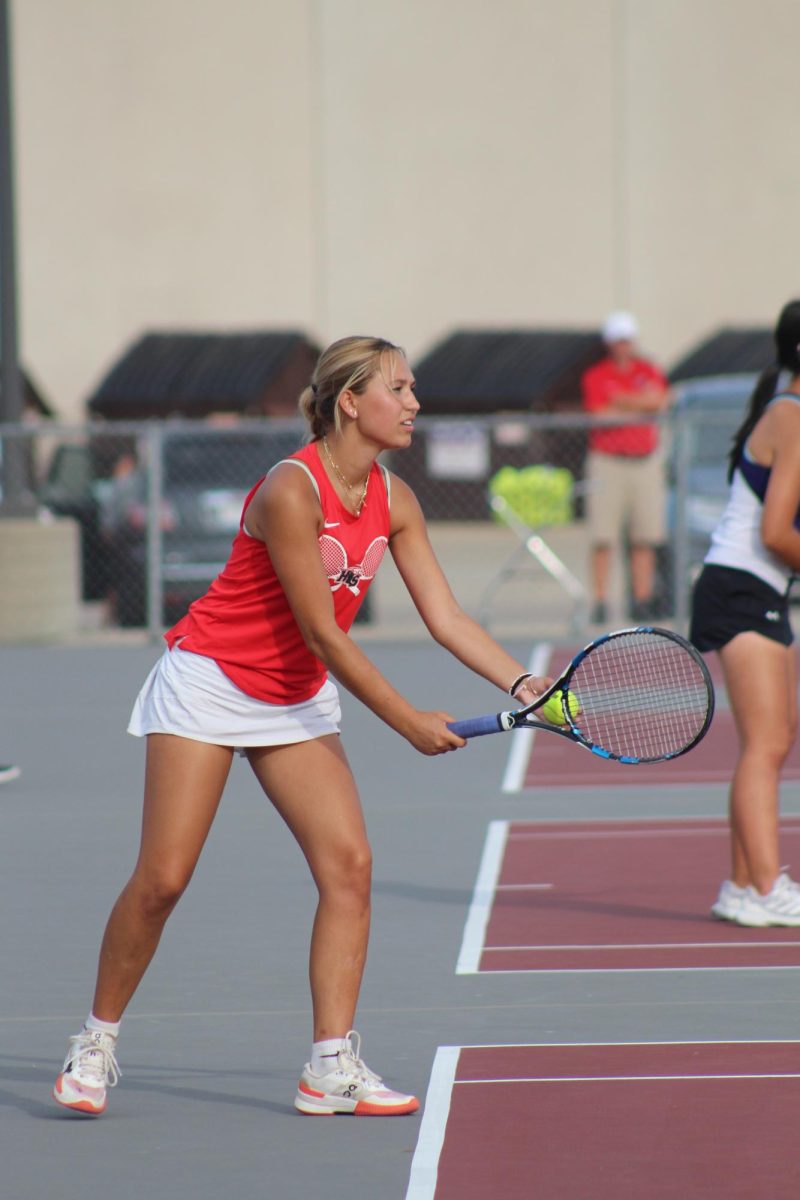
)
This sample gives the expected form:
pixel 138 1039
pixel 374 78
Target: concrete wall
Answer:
pixel 397 167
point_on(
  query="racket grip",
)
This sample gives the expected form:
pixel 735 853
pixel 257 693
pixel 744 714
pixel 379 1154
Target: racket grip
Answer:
pixel 477 726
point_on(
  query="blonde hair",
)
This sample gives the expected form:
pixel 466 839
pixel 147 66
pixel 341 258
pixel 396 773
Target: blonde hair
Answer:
pixel 346 365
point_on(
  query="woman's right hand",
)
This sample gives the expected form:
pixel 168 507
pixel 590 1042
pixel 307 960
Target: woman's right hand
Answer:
pixel 428 733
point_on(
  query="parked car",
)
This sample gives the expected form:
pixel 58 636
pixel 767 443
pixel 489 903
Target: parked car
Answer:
pixel 707 414
pixel 206 476
pixel 104 484
pixel 72 489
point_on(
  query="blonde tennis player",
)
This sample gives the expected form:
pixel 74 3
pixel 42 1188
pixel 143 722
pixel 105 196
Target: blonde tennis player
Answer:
pixel 248 669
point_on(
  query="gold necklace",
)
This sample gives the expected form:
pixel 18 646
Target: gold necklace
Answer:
pixel 351 487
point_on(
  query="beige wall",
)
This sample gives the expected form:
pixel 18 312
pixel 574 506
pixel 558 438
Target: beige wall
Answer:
pixel 397 166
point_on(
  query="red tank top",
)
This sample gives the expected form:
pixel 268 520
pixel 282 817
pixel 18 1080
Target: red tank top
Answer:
pixel 244 621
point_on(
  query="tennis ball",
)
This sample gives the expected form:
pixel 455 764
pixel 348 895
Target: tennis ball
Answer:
pixel 553 710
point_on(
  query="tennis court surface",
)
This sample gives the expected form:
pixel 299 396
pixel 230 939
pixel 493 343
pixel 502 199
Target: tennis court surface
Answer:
pixel 691 1119
pixel 601 896
pixel 214 1041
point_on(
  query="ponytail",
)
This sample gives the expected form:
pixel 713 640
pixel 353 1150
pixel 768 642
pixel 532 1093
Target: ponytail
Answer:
pixel 762 394
pixel 787 346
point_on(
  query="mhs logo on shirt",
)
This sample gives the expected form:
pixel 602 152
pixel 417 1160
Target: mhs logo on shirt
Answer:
pixel 340 572
pixel 349 578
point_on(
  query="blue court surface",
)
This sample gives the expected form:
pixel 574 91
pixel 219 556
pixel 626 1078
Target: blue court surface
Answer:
pixel 213 1043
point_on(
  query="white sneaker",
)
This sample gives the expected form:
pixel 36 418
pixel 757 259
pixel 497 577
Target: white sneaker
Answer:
pixel 350 1088
pixel 780 906
pixel 90 1067
pixel 729 901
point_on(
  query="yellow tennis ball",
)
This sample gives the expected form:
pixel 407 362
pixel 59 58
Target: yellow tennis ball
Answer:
pixel 553 710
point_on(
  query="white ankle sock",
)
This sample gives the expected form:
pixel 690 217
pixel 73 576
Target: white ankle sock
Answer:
pixel 323 1055
pixel 93 1022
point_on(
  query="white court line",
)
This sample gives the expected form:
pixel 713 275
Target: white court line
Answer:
pixel 623 1045
pixel 478 915
pixel 522 887
pixel 425 1163
pixel 522 739
pixel 622 1078
pixel 633 970
pixel 644 946
pixel 601 834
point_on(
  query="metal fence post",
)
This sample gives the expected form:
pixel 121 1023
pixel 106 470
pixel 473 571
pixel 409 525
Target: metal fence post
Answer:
pixel 683 440
pixel 155 506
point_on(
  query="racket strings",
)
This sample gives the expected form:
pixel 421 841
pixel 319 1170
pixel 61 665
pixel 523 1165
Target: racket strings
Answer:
pixel 641 696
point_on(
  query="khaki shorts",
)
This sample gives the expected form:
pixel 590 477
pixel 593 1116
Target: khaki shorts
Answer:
pixel 626 492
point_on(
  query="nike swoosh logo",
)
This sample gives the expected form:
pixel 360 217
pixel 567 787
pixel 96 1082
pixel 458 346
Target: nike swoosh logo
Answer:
pixel 332 524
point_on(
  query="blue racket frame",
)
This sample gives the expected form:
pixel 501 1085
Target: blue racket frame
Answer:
pixel 505 722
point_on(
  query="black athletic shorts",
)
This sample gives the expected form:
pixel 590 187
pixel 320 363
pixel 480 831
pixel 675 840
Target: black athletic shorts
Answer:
pixel 726 601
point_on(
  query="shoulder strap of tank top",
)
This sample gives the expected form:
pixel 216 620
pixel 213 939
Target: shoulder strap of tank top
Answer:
pixel 387 483
pixel 298 462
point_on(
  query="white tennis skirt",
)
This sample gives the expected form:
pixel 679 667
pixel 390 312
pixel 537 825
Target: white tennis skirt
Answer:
pixel 189 695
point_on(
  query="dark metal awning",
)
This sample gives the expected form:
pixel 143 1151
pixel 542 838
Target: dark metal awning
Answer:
pixel 728 352
pixel 487 371
pixel 193 374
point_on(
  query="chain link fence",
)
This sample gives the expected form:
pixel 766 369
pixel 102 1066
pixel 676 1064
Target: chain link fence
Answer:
pixel 157 505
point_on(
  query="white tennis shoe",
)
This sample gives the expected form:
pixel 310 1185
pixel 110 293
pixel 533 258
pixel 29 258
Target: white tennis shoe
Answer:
pixel 780 906
pixel 350 1088
pixel 89 1068
pixel 728 902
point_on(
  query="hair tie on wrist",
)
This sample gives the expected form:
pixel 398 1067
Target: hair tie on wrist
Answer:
pixel 518 682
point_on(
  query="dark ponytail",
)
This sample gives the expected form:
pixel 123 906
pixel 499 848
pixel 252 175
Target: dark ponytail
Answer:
pixel 787 344
pixel 762 394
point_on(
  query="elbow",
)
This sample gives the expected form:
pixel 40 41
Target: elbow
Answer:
pixel 321 639
pixel 777 543
pixel 772 542
pixel 444 629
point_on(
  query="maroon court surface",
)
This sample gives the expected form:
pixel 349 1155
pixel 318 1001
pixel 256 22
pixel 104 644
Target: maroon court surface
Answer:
pixel 555 762
pixel 617 895
pixel 695 1121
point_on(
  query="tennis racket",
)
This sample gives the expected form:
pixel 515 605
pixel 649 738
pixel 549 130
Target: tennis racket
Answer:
pixel 636 696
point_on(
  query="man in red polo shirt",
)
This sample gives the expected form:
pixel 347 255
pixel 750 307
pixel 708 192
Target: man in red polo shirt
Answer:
pixel 624 466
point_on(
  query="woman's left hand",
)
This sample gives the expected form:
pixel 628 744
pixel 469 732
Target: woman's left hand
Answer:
pixel 531 689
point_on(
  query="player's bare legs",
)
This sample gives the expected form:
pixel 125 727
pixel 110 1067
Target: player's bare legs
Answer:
pixel 311 786
pixel 183 784
pixel 766 721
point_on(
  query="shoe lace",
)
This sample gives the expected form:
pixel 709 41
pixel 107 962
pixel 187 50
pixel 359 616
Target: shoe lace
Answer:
pixel 350 1059
pixel 94 1059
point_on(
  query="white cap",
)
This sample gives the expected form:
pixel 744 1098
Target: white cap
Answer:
pixel 620 327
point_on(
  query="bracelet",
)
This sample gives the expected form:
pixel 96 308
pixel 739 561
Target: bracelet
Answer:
pixel 519 681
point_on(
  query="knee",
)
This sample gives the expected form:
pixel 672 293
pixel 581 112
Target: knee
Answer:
pixel 348 875
pixel 773 745
pixel 781 739
pixel 157 894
